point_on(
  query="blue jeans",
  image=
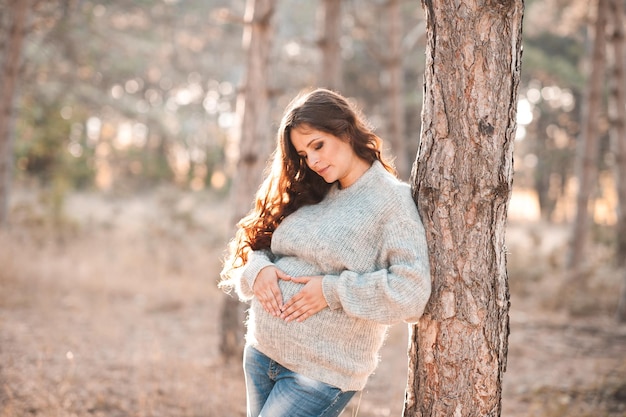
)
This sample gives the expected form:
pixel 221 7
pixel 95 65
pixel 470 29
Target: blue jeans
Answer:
pixel 275 391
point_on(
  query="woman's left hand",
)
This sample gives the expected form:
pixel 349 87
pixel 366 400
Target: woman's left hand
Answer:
pixel 308 301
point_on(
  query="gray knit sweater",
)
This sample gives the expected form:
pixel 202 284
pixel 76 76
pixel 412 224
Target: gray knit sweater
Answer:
pixel 369 244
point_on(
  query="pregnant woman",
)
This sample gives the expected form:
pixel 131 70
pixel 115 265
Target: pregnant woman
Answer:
pixel 333 253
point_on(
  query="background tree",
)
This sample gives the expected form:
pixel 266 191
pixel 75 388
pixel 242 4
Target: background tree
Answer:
pixel 617 121
pixel 552 84
pixel 331 73
pixel 13 23
pixel 395 72
pixel 588 146
pixel 389 52
pixel 462 184
pixel 254 145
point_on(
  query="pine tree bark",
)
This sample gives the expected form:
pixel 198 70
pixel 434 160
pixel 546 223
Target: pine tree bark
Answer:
pixel 587 157
pixel 462 182
pixel 254 147
pixel 15 21
pixel 617 130
pixel 330 46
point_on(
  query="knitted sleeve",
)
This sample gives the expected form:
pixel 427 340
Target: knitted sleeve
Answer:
pixel 397 292
pixel 244 280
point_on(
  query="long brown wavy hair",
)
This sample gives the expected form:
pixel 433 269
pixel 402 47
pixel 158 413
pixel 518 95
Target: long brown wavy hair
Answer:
pixel 290 183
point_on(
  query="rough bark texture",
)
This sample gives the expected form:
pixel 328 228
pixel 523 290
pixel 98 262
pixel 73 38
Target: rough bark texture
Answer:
pixel 617 118
pixel 396 89
pixel 15 22
pixel 254 147
pixel 329 43
pixel 462 182
pixel 588 145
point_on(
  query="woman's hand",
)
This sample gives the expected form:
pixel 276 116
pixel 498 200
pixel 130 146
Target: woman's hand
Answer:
pixel 308 301
pixel 267 291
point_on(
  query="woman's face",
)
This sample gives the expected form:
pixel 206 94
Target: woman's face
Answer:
pixel 330 157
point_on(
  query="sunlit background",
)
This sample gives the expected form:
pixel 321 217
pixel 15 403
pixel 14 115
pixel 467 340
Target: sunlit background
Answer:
pixel 120 95
pixel 126 135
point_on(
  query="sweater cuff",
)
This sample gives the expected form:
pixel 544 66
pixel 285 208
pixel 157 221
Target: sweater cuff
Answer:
pixel 256 262
pixel 329 288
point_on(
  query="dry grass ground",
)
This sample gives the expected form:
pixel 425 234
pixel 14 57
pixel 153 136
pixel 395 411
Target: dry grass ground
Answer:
pixel 113 311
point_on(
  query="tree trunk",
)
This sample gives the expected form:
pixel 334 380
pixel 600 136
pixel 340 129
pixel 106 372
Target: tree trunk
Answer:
pixel 588 147
pixel 329 43
pixel 462 183
pixel 254 146
pixel 617 129
pixel 17 11
pixel 396 89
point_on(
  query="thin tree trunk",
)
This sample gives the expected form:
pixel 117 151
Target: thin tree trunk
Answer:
pixel 588 147
pixel 254 146
pixel 396 89
pixel 17 12
pixel 617 129
pixel 329 43
pixel 462 183
pixel 544 171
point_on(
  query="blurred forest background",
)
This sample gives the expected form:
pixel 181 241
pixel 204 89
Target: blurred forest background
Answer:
pixel 124 144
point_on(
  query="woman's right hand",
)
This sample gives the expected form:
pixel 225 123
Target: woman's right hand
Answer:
pixel 267 291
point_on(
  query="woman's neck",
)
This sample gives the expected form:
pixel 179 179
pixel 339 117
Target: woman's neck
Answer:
pixel 359 168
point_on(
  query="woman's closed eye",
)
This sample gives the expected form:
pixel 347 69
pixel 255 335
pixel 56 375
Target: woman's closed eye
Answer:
pixel 316 147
